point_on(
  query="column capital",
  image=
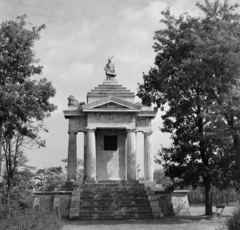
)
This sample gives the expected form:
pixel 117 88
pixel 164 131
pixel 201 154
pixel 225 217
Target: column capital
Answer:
pixel 72 132
pixel 147 133
pixel 131 130
pixel 90 129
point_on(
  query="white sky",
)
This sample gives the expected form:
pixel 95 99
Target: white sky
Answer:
pixel 74 47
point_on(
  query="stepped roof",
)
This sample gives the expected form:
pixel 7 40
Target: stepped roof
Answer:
pixel 110 88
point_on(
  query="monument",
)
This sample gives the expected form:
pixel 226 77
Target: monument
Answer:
pixel 109 121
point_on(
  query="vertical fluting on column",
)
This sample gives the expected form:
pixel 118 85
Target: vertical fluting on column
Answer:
pixel 148 157
pixel 85 153
pixel 72 156
pixel 131 155
pixel 91 154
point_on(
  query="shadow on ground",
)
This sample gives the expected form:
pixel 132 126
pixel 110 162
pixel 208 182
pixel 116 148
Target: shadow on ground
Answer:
pixel 164 220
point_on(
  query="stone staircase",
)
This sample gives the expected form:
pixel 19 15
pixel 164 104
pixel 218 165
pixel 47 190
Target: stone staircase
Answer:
pixel 113 200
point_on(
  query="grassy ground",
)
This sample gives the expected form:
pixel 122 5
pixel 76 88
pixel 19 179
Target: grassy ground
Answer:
pixel 197 221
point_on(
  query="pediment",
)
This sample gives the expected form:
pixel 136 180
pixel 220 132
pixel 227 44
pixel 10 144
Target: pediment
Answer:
pixel 111 104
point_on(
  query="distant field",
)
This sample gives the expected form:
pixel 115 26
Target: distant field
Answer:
pixel 197 221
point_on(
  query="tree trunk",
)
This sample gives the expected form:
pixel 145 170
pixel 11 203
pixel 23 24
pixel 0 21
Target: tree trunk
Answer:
pixel 208 196
pixel 1 141
pixel 228 194
pixel 9 188
pixel 236 144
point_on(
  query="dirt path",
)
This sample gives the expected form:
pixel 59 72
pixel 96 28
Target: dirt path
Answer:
pixel 195 222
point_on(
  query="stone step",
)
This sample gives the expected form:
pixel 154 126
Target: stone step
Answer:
pixel 93 194
pixel 115 212
pixel 112 188
pixel 110 197
pixel 110 202
pixel 110 91
pixel 102 205
pixel 113 184
pixel 115 86
pixel 106 208
pixel 112 216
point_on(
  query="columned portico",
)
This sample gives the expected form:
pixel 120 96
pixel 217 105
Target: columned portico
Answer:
pixel 72 156
pixel 91 154
pixel 110 121
pixel 131 155
pixel 148 158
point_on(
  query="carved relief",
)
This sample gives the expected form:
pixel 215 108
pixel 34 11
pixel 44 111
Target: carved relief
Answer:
pixel 143 121
pixel 111 117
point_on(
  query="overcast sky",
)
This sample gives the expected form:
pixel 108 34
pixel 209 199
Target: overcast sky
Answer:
pixel 79 37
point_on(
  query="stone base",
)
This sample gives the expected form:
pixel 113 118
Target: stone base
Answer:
pixel 175 203
pixel 58 201
pixel 94 199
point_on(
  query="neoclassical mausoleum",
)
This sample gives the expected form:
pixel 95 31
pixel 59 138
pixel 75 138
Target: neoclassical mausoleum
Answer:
pixel 110 189
pixel 110 121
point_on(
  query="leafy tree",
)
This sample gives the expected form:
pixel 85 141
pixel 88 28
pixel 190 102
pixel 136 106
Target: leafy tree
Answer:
pixel 80 169
pixel 160 178
pixel 50 177
pixel 196 82
pixel 22 100
pixel 16 170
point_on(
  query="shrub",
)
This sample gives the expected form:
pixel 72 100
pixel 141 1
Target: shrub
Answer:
pixel 16 219
pixel 233 223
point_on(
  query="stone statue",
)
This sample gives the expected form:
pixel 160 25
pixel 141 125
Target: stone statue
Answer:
pixel 110 69
pixel 72 101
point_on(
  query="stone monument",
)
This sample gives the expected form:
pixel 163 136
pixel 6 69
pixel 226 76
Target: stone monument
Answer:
pixel 109 121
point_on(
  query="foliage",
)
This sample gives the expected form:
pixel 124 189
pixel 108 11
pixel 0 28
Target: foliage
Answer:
pixel 219 197
pixel 80 169
pixel 22 185
pixel 22 99
pixel 12 218
pixel 196 82
pixel 160 178
pixel 24 102
pixel 49 178
pixel 233 223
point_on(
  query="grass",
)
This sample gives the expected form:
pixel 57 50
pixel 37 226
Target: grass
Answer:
pixel 197 221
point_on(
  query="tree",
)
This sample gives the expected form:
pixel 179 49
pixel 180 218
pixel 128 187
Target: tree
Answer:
pixel 22 100
pixel 160 178
pixel 80 168
pixel 197 77
pixel 49 178
pixel 14 147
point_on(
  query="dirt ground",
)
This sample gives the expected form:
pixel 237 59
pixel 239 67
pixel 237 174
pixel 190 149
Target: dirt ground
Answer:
pixel 197 221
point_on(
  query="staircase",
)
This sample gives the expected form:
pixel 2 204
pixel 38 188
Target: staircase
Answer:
pixel 112 200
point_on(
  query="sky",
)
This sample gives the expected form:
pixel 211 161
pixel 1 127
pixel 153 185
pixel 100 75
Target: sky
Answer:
pixel 79 37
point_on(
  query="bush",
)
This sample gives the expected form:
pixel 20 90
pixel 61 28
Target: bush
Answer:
pixel 233 223
pixel 30 219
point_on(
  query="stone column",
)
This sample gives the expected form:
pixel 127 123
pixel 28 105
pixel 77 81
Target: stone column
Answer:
pixel 148 157
pixel 91 154
pixel 72 156
pixel 131 155
pixel 85 153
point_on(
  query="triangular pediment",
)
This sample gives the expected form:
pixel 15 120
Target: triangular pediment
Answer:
pixel 111 104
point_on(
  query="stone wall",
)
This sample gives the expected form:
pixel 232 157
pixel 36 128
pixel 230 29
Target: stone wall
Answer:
pixel 58 201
